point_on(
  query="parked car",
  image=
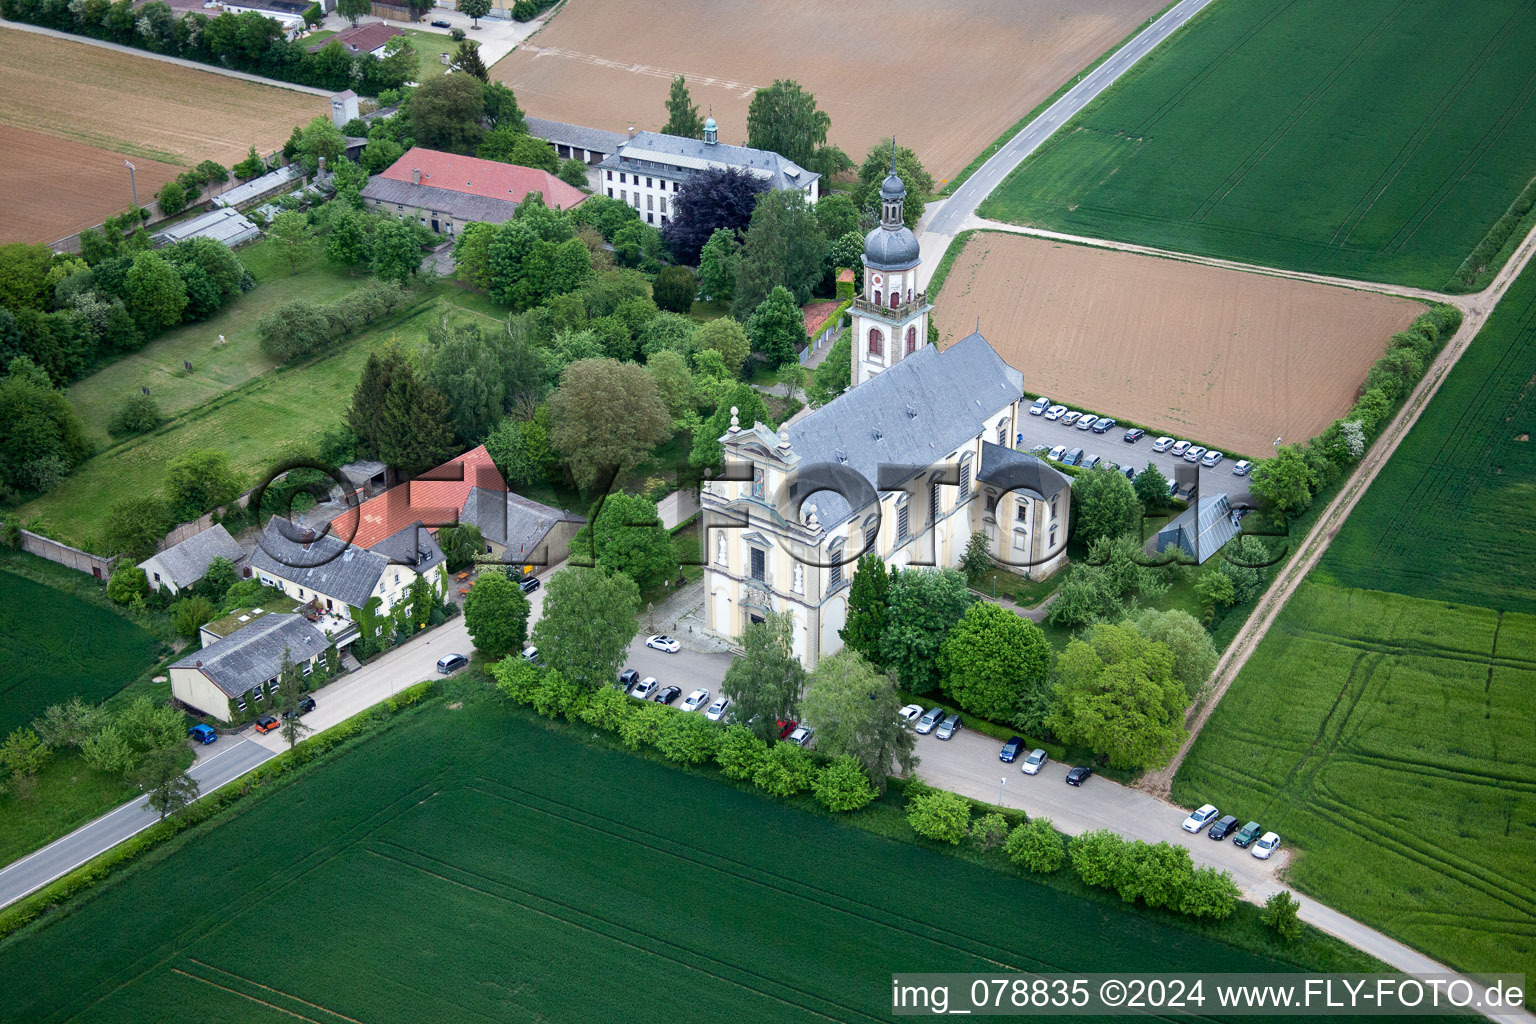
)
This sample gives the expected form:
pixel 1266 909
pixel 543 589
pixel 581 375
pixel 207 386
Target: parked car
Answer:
pixel 1070 417
pixel 785 728
pixel 663 643
pixel 1104 426
pixel 627 679
pixel 1162 444
pixel 1041 404
pixel 266 723
pixel 910 713
pixel 1040 451
pixel 1011 749
pixel 668 694
pixel 1133 435
pixel 645 689
pixel 1073 457
pixel 696 699
pixel 1055 412
pixel 1246 835
pixel 949 727
pixel 1056 453
pixel 1077 776
pixel 1173 488
pixel 1036 760
pixel 1090 462
pixel 1194 453
pixel 1241 467
pixel 1197 820
pixel 1267 844
pixel 531 653
pixel 528 584
pixel 305 707
pixel 451 663
pixel 1225 826
pixel 801 737
pixel 930 720
pixel 1178 449
pixel 202 733
pixel 440 23
pixel 1184 491
pixel 1129 471
pixel 717 710
pixel 1085 421
pixel 1211 459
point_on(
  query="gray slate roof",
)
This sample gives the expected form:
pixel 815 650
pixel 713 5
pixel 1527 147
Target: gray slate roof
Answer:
pixel 891 248
pixel 517 523
pixel 461 206
pixel 1202 530
pixel 254 654
pixel 326 565
pixel 594 139
pixel 914 413
pixel 648 152
pixel 414 546
pixel 1004 465
pixel 185 563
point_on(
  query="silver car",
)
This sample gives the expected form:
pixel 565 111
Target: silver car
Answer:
pixel 1162 444
pixel 1034 762
pixel 696 700
pixel 948 727
pixel 1086 420
pixel 1195 453
pixel 930 720
pixel 645 689
pixel 716 711
pixel 1211 459
pixel 1242 467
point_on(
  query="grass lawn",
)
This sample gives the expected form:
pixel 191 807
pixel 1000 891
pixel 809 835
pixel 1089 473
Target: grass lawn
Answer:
pixel 1371 140
pixel 66 795
pixel 216 368
pixel 54 645
pixel 474 864
pixel 1391 741
pixel 429 47
pixel 248 422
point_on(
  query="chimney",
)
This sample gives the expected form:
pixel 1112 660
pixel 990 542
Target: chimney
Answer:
pixel 415 175
pixel 631 131
pixel 199 664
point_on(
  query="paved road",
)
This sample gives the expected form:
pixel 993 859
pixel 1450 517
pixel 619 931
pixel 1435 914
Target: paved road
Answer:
pixel 949 218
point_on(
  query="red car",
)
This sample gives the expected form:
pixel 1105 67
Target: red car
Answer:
pixel 266 723
pixel 785 728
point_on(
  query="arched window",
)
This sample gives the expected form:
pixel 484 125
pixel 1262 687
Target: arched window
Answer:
pixel 895 299
pixel 911 339
pixel 877 296
pixel 876 342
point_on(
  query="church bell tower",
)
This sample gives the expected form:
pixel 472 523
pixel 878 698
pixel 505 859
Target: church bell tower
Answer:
pixel 890 319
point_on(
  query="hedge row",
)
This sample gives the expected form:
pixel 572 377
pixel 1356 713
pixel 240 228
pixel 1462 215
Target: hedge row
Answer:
pixel 1481 258
pixel 66 888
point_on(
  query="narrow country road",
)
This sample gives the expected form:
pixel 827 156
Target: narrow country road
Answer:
pixel 950 215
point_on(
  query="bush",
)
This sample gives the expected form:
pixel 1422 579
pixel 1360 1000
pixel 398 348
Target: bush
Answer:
pixel 842 786
pixel 139 415
pixel 128 581
pixel 518 679
pixel 990 831
pixel 786 770
pixel 574 173
pixel 1209 893
pixel 740 753
pixel 938 814
pixel 1280 912
pixel 1097 856
pixel 606 709
pixel 172 198
pixel 1037 846
pixel 557 697
pixel 688 739
pixel 644 725
pixel 524 10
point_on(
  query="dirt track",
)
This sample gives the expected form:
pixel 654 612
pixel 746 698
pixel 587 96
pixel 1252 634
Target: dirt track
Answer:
pixel 1230 358
pixel 948 78
pixel 1476 310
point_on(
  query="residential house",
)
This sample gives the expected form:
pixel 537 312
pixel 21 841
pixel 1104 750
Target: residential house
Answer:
pixel 445 191
pixel 650 169
pixel 181 565
pixel 519 530
pixel 239 674
pixel 360 40
pixel 435 497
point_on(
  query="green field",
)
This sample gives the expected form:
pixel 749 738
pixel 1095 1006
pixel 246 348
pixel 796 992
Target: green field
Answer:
pixel 468 865
pixel 1453 514
pixel 54 645
pixel 1391 741
pixel 248 422
pixel 1379 139
pixel 429 47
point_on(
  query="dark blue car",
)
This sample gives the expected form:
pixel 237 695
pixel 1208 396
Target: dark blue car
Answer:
pixel 1011 749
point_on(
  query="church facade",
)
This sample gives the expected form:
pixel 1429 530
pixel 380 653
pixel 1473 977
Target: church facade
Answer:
pixel 911 461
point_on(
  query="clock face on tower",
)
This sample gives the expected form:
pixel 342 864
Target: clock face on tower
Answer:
pixel 875 279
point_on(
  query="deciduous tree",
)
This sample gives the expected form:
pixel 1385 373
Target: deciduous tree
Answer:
pixel 674 289
pixel 719 263
pixel 925 604
pixel 476 9
pixel 776 328
pixel 939 814
pixel 587 625
pixel 1103 504
pixel 200 481
pixel 605 417
pixel 855 711
pixel 726 336
pixel 445 112
pixel 877 164
pixel 784 118
pixel 163 777
pixel 291 233
pixel 155 292
pixel 714 199
pixel 992 660
pixel 766 681
pixel 784 246
pixel 626 536
pixel 496 615
pixel 869 597
pixel 1116 694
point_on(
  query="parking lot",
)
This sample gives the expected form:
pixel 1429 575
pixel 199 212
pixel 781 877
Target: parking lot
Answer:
pixel 1109 446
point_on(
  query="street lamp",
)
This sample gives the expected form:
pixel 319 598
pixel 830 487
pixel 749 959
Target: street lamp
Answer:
pixel 1000 784
pixel 132 184
pixel 1277 444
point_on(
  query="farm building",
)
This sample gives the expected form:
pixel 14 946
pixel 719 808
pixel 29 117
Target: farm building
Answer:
pixel 269 184
pixel 443 190
pixel 240 672
pixel 222 225
pixel 181 565
pixel 519 530
pixel 287 13
pixel 574 141
pixel 649 169
pixel 1202 530
pixel 360 40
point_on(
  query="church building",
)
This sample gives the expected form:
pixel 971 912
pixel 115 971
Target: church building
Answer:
pixel 912 460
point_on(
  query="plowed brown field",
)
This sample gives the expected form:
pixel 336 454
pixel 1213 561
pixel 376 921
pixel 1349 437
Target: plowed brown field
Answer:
pixel 106 105
pixel 1230 358
pixel 947 77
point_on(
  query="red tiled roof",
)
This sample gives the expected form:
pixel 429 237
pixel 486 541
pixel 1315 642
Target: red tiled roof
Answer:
pixel 816 315
pixel 435 498
pixel 362 38
pixel 488 178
